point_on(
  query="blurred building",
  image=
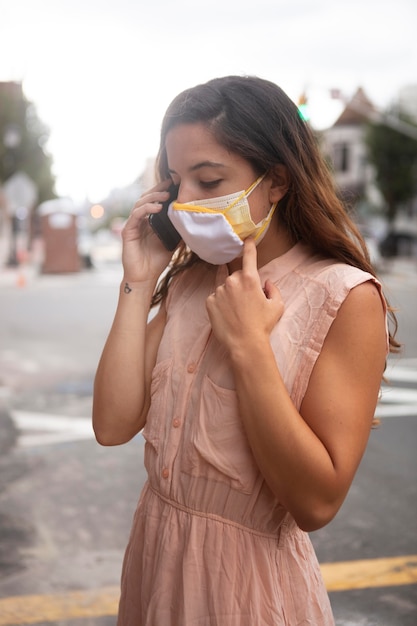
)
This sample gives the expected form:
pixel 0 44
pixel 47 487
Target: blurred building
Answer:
pixel 121 200
pixel 345 148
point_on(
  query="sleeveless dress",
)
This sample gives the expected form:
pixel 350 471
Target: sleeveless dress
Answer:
pixel 210 545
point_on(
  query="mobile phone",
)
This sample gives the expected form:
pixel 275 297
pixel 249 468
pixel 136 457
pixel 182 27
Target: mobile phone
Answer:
pixel 162 225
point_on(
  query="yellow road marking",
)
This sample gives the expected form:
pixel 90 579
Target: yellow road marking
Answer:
pixel 50 608
pixel 103 602
pixel 390 572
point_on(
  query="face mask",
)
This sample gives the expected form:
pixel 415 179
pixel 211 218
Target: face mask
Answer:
pixel 216 228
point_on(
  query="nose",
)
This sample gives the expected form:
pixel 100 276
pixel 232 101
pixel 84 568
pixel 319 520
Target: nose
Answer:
pixel 186 192
pixel 181 197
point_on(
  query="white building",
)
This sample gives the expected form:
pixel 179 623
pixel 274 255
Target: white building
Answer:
pixel 345 148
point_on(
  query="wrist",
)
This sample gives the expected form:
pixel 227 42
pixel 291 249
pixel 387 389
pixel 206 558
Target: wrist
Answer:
pixel 144 288
pixel 243 353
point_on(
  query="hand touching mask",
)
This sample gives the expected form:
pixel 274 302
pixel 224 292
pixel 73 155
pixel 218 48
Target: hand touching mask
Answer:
pixel 216 228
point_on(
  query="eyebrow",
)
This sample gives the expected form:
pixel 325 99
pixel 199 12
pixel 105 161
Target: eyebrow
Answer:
pixel 200 165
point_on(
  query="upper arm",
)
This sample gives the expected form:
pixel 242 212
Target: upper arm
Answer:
pixel 343 389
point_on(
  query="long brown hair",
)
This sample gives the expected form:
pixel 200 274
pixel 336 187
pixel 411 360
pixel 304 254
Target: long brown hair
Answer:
pixel 254 118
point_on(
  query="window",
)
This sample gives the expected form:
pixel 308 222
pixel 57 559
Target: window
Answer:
pixel 341 157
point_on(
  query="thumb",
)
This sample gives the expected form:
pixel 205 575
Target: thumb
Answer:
pixel 271 291
pixel 273 295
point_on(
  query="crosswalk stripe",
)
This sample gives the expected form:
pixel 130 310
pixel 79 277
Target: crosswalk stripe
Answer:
pixel 401 370
pixel 398 395
pixel 44 429
pixel 401 410
pixel 342 576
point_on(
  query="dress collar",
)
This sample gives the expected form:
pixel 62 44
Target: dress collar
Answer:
pixel 284 264
pixel 275 269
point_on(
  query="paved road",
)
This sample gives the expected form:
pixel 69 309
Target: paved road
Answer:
pixel 66 503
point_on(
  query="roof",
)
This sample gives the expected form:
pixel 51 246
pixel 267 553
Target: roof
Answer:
pixel 357 111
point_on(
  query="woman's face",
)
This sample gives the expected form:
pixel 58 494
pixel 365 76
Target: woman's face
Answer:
pixel 205 169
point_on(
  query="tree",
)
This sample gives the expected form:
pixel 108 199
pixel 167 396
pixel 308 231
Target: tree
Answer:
pixel 394 156
pixel 23 137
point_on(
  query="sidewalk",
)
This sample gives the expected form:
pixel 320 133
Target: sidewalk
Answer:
pixel 18 276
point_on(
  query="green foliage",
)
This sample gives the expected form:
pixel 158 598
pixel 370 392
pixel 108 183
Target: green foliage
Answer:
pixel 23 137
pixel 394 156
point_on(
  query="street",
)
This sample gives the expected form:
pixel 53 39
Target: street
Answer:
pixel 66 504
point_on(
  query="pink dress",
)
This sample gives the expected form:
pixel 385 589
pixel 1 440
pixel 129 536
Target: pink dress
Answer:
pixel 210 545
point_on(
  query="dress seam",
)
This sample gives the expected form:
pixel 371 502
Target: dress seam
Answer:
pixel 218 518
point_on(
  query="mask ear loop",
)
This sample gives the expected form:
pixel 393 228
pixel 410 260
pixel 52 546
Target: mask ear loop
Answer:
pixel 267 221
pixel 268 218
pixel 246 193
pixel 254 185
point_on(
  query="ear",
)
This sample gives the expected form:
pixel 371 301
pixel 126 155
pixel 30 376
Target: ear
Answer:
pixel 280 182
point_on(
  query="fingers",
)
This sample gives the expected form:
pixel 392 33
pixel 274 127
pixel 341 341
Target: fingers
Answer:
pixel 273 294
pixel 250 261
pixel 250 256
pixel 150 199
pixel 162 186
pixel 150 202
pixel 157 193
pixel 271 291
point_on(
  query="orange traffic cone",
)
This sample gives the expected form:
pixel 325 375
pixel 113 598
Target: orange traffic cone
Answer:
pixel 21 279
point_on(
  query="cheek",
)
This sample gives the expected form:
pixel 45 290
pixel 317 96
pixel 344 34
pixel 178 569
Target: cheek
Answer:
pixel 259 208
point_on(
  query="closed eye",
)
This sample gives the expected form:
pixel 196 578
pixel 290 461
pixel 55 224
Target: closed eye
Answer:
pixel 210 184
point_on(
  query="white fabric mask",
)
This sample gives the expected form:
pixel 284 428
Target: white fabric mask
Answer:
pixel 216 228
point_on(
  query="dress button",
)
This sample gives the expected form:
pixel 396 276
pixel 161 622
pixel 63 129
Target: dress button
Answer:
pixel 165 472
pixel 176 422
pixel 191 368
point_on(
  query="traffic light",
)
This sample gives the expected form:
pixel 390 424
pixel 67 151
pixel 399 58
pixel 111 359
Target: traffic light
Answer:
pixel 303 107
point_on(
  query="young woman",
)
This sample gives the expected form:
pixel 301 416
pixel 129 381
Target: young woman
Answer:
pixel 256 382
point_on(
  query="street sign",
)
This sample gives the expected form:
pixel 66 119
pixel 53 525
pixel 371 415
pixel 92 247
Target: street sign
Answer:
pixel 20 192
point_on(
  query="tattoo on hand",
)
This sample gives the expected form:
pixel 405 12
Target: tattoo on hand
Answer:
pixel 126 288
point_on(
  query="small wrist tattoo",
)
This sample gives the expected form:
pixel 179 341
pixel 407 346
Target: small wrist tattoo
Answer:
pixel 126 288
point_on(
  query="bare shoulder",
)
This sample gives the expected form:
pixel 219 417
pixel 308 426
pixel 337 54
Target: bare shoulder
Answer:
pixel 367 296
pixel 340 400
pixel 357 339
pixel 362 314
pixel 354 352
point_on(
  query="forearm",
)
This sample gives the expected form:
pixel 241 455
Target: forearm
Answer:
pixel 294 462
pixel 308 456
pixel 120 389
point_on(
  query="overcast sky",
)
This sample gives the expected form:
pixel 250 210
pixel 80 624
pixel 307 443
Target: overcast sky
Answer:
pixel 102 72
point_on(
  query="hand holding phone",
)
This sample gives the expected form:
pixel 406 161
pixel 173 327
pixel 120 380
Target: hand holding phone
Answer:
pixel 162 225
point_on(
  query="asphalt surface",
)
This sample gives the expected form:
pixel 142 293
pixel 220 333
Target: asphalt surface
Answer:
pixel 66 504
